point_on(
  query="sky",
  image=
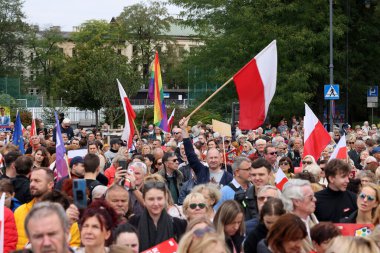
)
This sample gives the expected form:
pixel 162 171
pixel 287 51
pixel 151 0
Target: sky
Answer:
pixel 69 13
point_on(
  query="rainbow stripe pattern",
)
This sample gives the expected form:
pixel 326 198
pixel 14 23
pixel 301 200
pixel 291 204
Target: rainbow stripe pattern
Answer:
pixel 156 92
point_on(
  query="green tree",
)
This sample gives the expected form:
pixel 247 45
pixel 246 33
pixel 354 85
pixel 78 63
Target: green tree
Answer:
pixel 48 58
pixel 88 79
pixel 144 27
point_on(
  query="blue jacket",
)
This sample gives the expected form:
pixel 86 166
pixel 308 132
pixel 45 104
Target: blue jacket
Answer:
pixel 201 171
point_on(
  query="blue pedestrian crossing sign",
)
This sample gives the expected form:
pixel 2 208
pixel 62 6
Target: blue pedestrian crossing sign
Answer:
pixel 331 92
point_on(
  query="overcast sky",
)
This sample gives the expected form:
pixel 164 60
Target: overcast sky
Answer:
pixel 69 13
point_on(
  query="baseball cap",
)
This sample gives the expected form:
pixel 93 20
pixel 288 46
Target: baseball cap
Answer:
pixel 375 150
pixel 75 160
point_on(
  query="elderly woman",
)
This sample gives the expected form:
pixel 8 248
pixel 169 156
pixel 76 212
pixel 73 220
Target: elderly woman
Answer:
pixel 363 156
pixel 247 149
pixel 212 195
pixel 194 206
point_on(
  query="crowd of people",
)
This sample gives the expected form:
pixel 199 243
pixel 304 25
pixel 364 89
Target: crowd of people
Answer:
pixel 208 192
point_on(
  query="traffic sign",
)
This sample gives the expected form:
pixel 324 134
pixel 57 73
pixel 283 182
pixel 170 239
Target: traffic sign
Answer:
pixel 373 91
pixel 372 105
pixel 372 99
pixel 331 92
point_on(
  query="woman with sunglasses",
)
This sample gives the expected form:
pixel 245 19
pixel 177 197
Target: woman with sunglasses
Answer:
pixel 286 165
pixel 195 206
pixel 155 225
pixel 367 201
pixel 229 222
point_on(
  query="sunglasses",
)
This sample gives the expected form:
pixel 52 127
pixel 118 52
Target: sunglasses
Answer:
pixel 154 185
pixel 369 197
pixel 273 153
pixel 284 163
pixel 200 205
pixel 307 162
pixel 174 160
pixel 177 133
pixel 351 142
pixel 159 164
pixel 202 231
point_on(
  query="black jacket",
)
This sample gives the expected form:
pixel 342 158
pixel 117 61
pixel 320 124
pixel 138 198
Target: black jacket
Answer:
pixel 21 188
pixel 334 205
pixel 236 241
pixel 259 232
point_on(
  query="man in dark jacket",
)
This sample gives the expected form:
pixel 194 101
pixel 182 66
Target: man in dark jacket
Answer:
pixel 335 202
pixel 214 173
pixel 21 183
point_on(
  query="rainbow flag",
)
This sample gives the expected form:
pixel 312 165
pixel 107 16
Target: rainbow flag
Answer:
pixel 156 93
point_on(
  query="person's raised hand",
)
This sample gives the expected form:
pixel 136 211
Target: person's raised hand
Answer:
pixel 72 213
pixel 120 174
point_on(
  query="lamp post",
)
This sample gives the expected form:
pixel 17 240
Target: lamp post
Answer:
pixel 331 66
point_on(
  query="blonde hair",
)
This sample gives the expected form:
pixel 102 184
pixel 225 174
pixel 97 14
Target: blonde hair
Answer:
pixel 191 243
pixel 352 244
pixel 189 198
pixel 377 193
pixel 120 249
pixel 213 191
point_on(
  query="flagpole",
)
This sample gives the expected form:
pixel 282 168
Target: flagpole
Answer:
pixel 68 168
pixel 224 155
pixel 212 95
pixel 137 131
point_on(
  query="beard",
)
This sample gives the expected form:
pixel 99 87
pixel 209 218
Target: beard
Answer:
pixel 36 193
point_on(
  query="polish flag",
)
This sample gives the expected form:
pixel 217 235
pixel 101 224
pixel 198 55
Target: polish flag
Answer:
pixel 340 151
pixel 256 84
pixel 171 120
pixel 280 179
pixel 316 138
pixel 33 130
pixel 130 116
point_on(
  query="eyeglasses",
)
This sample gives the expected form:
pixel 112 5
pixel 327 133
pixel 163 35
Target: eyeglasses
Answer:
pixel 200 205
pixel 264 198
pixel 273 153
pixel 310 197
pixel 174 160
pixel 244 169
pixel 307 162
pixel 176 133
pixel 284 163
pixel 369 197
pixel 159 164
pixel 351 142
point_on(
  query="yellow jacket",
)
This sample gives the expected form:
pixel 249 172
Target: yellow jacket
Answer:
pixel 20 215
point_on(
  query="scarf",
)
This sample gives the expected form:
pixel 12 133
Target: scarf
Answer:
pixel 149 234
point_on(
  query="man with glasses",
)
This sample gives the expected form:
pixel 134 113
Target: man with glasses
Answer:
pixel 335 202
pixel 355 153
pixel 241 181
pixel 270 154
pixel 298 198
pixel 65 129
pixel 172 175
pixel 177 134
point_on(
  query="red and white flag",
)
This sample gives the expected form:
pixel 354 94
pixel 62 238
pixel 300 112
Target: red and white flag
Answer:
pixel 280 179
pixel 256 84
pixel 33 130
pixel 316 138
pixel 340 151
pixel 171 120
pixel 130 116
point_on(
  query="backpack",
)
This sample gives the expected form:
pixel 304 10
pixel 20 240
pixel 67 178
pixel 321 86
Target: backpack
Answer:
pixel 247 201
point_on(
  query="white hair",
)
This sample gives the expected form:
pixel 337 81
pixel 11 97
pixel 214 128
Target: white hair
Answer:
pixel 140 165
pixel 66 121
pixel 314 169
pixel 293 190
pixel 267 187
pixel 260 141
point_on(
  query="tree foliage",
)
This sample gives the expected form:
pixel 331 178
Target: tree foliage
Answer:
pixel 144 27
pixel 48 58
pixel 88 79
pixel 12 36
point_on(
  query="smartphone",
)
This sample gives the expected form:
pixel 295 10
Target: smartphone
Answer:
pixel 123 164
pixel 80 196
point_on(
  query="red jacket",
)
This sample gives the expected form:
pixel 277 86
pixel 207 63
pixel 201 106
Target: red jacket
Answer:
pixel 10 231
pixel 110 174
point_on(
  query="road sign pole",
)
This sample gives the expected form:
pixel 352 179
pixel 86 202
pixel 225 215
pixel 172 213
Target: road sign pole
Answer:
pixel 372 115
pixel 331 63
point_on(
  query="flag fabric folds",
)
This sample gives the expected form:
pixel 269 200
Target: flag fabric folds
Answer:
pixel 130 116
pixel 18 139
pixel 60 160
pixel 280 179
pixel 316 138
pixel 171 120
pixel 156 93
pixel 340 151
pixel 256 84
